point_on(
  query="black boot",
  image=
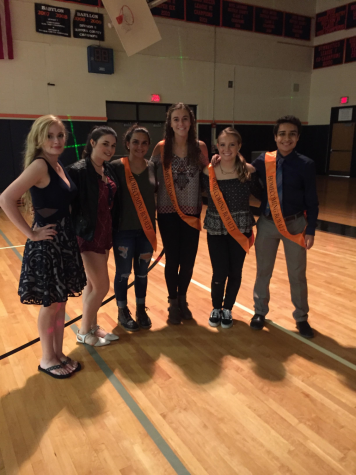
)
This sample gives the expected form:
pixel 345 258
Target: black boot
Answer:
pixel 183 305
pixel 126 320
pixel 142 318
pixel 174 313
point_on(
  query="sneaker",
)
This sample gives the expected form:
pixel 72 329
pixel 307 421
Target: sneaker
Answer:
pixel 257 322
pixel 226 318
pixel 126 321
pixel 142 318
pixel 215 317
pixel 305 329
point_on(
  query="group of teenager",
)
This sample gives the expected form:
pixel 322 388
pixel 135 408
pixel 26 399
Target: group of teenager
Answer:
pixel 81 211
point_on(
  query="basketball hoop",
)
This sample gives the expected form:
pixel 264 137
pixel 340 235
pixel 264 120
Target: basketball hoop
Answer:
pixel 126 18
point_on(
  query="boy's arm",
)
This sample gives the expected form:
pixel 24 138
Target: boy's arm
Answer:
pixel 312 204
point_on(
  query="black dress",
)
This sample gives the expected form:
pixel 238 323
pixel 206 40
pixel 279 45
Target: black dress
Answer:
pixel 52 270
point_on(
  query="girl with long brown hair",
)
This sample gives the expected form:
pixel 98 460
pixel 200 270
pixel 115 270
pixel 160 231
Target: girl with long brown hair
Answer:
pixel 52 269
pixel 178 160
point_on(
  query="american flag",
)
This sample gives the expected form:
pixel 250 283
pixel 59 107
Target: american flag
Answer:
pixel 6 48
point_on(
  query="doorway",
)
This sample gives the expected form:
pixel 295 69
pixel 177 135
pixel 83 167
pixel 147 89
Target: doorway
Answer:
pixel 122 115
pixel 342 140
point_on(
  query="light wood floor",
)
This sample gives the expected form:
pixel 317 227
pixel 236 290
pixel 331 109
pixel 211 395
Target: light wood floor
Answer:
pixel 337 199
pixel 225 401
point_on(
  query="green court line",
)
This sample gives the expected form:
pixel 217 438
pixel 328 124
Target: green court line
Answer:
pixel 156 437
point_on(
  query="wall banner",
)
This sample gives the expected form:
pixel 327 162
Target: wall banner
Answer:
pixel 330 20
pixel 88 25
pixel 174 9
pixel 330 54
pixel 237 15
pixel 269 21
pixel 297 26
pixel 206 12
pixel 52 20
pixel 350 52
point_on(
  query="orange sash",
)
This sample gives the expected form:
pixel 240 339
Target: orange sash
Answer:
pixel 139 204
pixel 273 199
pixel 225 214
pixel 168 179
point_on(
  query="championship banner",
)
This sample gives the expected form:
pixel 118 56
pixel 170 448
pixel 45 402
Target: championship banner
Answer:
pixel 273 199
pixel 134 24
pixel 52 20
pixel 88 25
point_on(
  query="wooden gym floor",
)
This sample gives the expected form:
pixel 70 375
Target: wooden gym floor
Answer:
pixel 192 399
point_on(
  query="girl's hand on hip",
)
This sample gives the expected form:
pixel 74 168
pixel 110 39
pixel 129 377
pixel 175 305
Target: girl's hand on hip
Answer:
pixel 45 232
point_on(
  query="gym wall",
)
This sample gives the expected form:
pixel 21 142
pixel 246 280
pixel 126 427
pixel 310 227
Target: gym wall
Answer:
pixel 328 85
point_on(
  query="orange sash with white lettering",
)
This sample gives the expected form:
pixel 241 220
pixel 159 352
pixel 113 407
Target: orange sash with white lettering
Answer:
pixel 273 199
pixel 139 204
pixel 225 214
pixel 168 179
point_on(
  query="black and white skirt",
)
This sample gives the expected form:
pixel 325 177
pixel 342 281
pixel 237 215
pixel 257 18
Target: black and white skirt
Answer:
pixel 52 270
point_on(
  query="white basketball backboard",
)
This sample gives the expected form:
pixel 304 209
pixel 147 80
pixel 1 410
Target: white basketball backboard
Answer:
pixel 134 24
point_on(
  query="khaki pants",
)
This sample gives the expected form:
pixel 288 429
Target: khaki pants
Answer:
pixel 267 242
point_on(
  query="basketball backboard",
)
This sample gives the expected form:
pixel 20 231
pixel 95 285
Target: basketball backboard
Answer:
pixel 134 24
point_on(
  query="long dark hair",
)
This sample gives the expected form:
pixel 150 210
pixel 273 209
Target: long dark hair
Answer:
pixel 96 132
pixel 241 169
pixel 135 128
pixel 193 144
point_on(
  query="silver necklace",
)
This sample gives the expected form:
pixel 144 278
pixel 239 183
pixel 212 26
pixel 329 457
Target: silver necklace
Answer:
pixel 227 173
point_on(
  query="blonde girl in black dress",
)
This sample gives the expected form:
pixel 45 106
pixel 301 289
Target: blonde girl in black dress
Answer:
pixel 52 268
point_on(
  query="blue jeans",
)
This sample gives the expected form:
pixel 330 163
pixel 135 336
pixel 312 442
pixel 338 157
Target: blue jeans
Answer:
pixel 131 245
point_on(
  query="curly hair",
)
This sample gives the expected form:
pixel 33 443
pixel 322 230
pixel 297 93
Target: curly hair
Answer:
pixel 241 169
pixel 192 142
pixel 288 119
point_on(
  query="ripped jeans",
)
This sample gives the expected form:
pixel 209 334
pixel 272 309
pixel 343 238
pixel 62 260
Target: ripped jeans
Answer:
pixel 131 245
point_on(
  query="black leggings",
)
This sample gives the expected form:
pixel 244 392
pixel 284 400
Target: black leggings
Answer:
pixel 180 242
pixel 227 259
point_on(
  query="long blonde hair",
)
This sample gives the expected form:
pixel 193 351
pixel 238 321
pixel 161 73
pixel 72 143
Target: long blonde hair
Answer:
pixel 241 169
pixel 34 143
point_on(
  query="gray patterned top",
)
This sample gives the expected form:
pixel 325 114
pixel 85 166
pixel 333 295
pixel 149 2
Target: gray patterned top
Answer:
pixel 187 186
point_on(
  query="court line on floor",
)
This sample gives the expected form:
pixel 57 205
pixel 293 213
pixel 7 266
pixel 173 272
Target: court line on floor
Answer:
pixel 151 430
pixel 11 247
pixel 156 437
pixel 288 332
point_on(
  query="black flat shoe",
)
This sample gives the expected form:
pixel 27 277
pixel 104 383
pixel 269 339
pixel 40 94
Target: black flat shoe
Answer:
pixel 305 330
pixel 257 322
